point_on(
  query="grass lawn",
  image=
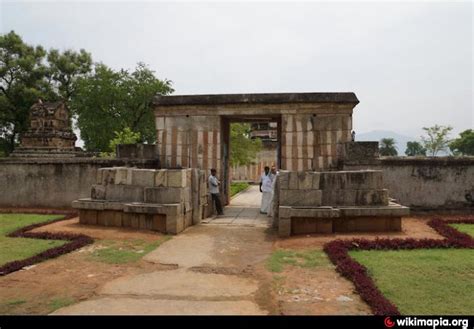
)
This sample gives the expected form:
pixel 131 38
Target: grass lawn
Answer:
pixel 20 248
pixel 126 251
pixel 424 281
pixel 301 258
pixel 464 228
pixel 237 187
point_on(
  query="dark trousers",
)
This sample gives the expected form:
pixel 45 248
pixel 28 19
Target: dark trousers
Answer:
pixel 217 201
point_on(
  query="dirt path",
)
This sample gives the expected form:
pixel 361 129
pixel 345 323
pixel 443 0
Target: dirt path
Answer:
pixel 214 270
pixel 208 269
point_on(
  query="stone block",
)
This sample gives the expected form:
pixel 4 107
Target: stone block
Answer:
pixel 367 224
pixel 300 198
pixel 371 197
pixel 171 209
pixel 305 180
pixel 174 224
pixel 88 217
pixel 127 193
pixel 322 212
pixel 311 225
pixel 293 180
pixel 135 220
pixel 145 222
pixel 177 178
pixel 283 179
pixel 104 217
pixel 377 211
pixel 159 223
pixel 98 192
pixel 164 195
pixel 122 176
pixel 98 179
pixel 284 227
pixel 161 178
pixel 359 179
pixel 107 175
pixel 88 204
pixel 143 177
pixel 126 219
pixel 284 212
pixel 143 208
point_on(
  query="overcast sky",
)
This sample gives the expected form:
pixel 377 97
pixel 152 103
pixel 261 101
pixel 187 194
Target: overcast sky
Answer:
pixel 409 63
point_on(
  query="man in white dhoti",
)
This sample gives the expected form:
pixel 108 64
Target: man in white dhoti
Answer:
pixel 266 189
pixel 273 173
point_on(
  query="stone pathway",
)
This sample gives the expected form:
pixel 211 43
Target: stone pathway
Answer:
pixel 212 271
pixel 244 209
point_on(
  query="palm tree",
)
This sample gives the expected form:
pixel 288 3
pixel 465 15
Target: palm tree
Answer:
pixel 387 147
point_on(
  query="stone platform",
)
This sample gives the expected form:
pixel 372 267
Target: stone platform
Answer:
pixel 334 201
pixel 159 200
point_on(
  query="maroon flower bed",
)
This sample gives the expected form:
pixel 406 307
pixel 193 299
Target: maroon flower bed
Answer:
pixel 337 252
pixel 76 241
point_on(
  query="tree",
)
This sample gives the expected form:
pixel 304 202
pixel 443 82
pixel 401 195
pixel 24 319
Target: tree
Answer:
pixel 108 101
pixel 126 136
pixel 22 74
pixel 243 149
pixel 65 68
pixel 387 147
pixel 464 145
pixel 414 148
pixel 437 139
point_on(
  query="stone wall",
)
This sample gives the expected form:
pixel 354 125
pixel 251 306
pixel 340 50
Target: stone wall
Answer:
pixel 53 183
pixel 440 183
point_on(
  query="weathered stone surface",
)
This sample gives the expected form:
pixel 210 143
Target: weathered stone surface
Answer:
pixel 143 177
pixel 367 224
pixel 98 192
pixel 361 179
pixel 349 197
pixel 123 176
pixel 144 208
pixel 324 212
pixel 159 223
pixel 164 195
pixel 88 217
pixel 174 224
pixel 177 178
pixel 107 175
pixel 284 227
pixel 300 197
pixel 128 193
pixel 283 179
pixel 381 211
pixel 311 225
pixel 161 178
pixel 88 204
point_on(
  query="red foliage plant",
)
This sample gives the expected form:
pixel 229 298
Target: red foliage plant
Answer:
pixel 337 252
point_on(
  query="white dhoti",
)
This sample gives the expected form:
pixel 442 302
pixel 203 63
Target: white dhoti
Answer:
pixel 270 208
pixel 266 202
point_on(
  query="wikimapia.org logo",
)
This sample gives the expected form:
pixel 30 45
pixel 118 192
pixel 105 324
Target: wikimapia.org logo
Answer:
pixel 432 323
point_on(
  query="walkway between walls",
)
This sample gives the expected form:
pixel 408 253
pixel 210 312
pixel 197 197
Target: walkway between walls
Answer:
pixel 244 209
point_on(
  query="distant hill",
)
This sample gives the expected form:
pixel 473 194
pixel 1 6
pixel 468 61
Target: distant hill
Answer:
pixel 377 135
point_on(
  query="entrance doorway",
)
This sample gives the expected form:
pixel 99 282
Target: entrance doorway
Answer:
pixel 265 128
